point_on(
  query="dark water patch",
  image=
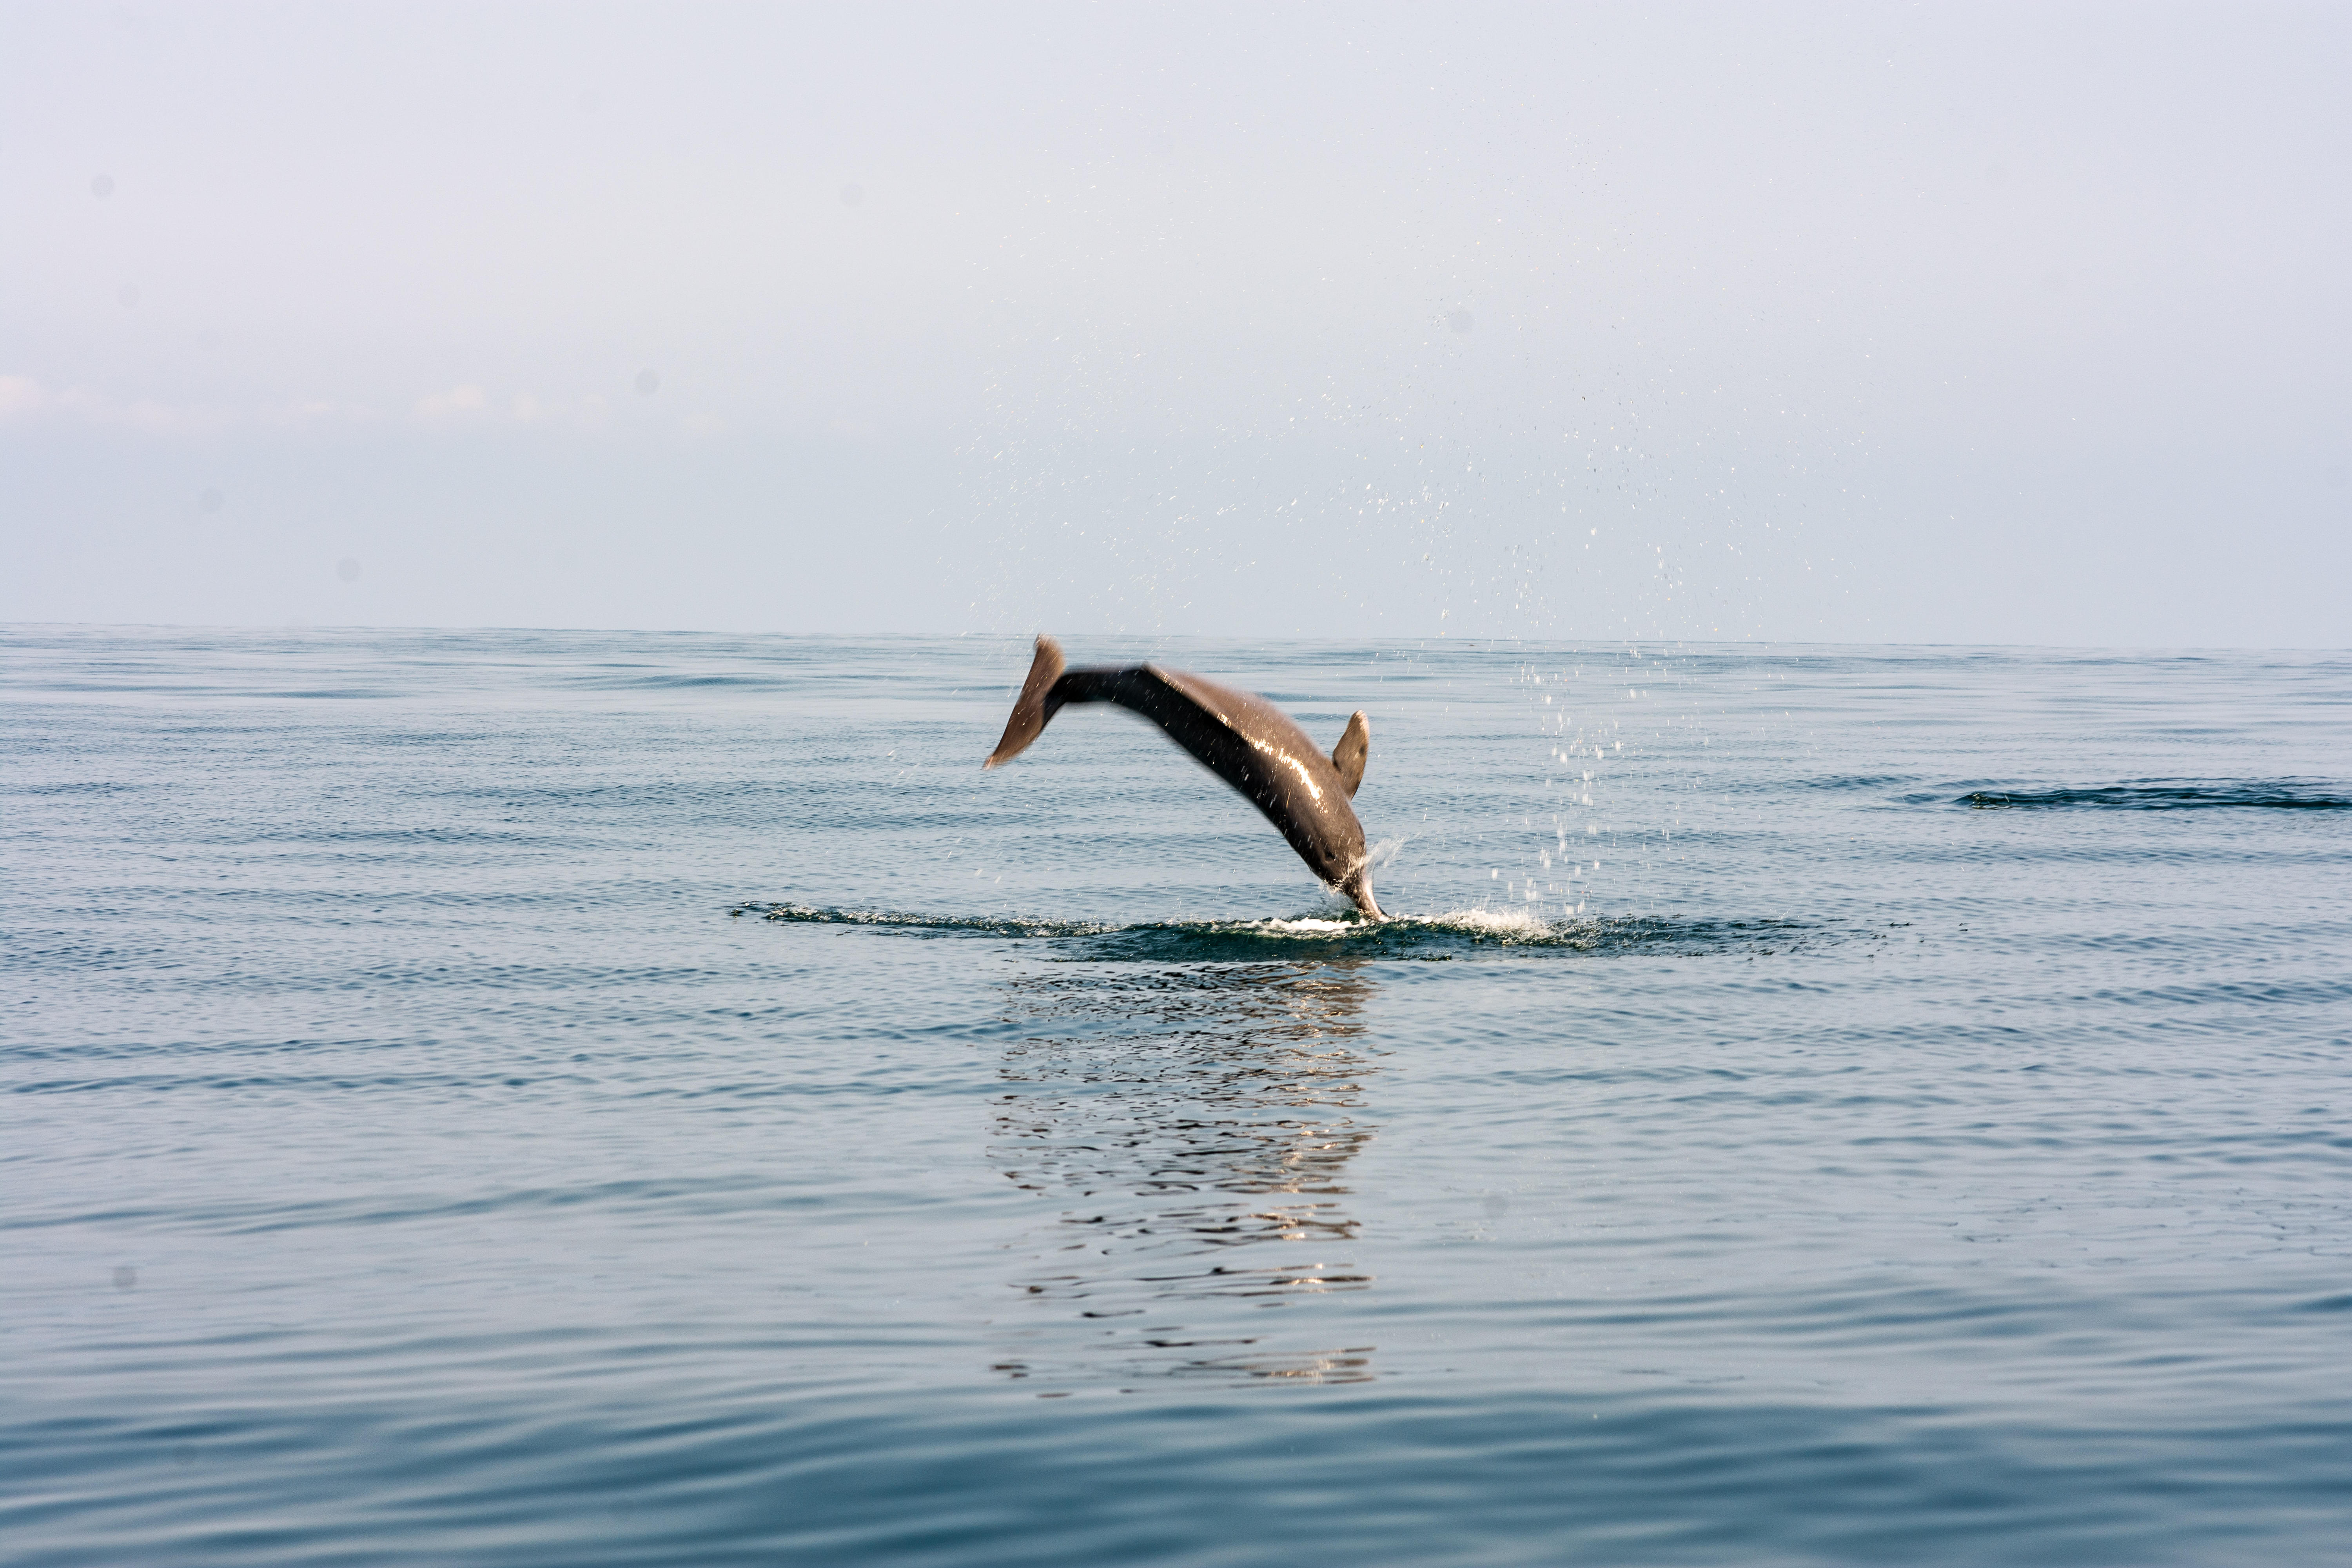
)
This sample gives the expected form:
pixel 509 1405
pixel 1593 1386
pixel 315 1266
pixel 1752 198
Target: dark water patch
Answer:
pixel 676 1196
pixel 340 693
pixel 602 681
pixel 1359 1475
pixel 2220 1003
pixel 447 1084
pixel 2166 795
pixel 1437 938
pixel 81 787
pixel 438 836
pixel 1841 784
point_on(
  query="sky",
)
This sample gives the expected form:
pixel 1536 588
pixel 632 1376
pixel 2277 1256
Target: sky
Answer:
pixel 1899 324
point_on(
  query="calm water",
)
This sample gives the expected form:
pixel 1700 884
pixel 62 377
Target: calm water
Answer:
pixel 591 1097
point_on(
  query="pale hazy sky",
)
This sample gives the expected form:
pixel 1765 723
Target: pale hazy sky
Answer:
pixel 1889 322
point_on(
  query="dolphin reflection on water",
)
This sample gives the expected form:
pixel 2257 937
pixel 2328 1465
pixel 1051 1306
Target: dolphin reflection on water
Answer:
pixel 1243 739
pixel 1190 1130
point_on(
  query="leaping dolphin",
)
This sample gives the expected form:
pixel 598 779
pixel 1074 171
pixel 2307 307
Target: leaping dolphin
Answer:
pixel 1243 739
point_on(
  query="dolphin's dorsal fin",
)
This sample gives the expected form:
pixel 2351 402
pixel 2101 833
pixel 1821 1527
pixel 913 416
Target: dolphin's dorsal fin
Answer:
pixel 1348 756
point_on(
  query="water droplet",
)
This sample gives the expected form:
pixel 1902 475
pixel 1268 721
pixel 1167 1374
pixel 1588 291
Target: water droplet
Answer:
pixel 853 195
pixel 102 186
pixel 1460 320
pixel 648 382
pixel 210 501
pixel 347 569
pixel 126 1278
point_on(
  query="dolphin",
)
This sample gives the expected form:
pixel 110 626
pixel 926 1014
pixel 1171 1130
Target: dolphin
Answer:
pixel 1243 739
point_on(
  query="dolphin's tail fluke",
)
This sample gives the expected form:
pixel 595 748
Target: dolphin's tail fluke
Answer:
pixel 1029 709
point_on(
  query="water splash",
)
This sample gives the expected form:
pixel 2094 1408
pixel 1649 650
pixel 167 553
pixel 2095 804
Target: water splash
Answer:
pixel 1450 934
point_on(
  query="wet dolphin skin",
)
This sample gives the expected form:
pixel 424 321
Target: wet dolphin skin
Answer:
pixel 1243 739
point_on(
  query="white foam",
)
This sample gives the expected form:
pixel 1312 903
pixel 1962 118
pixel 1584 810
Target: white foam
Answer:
pixel 1500 923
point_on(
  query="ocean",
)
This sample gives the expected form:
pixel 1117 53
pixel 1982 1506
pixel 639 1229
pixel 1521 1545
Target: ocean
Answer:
pixel 584 1097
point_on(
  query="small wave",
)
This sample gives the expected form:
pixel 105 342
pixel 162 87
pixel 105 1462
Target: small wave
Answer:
pixel 2165 796
pixel 1841 783
pixel 666 682
pixel 1456 933
pixel 895 919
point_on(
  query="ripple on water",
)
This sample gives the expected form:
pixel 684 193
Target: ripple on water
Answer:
pixel 1909 1131
pixel 1456 933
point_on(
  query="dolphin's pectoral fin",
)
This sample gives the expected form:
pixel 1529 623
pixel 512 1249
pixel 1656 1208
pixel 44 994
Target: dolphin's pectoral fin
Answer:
pixel 1348 756
pixel 1030 710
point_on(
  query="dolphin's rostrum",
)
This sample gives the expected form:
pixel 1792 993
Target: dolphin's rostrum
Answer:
pixel 1243 739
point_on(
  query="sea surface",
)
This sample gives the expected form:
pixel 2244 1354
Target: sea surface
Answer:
pixel 582 1097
